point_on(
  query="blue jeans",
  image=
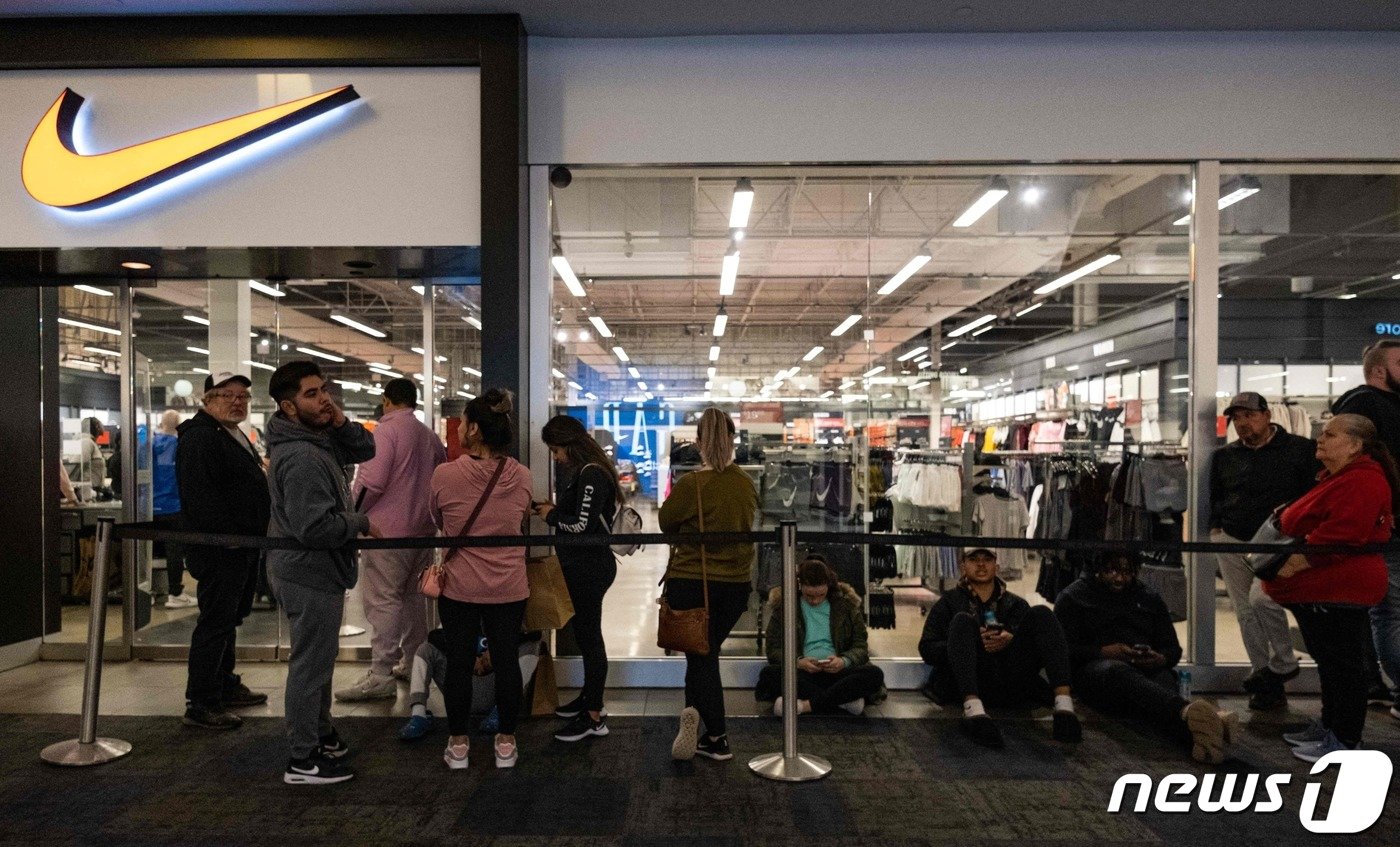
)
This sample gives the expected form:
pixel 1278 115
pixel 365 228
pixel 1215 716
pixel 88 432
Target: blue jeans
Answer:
pixel 1385 625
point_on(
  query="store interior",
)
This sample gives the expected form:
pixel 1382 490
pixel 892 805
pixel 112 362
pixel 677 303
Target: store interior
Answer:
pixel 903 348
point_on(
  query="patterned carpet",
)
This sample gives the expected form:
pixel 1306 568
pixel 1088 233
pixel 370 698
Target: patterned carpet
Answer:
pixel 895 782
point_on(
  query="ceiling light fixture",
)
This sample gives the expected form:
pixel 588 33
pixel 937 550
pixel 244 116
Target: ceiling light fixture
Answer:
pixel 1031 194
pixel 558 374
pixel 264 288
pixel 419 290
pixel 1071 368
pixel 102 351
pixel 910 268
pixel 92 289
pixel 599 325
pixel 420 351
pixel 1247 186
pixel 912 354
pixel 813 353
pixel 642 386
pixel 392 374
pixel 996 190
pixel 575 386
pixel 711 371
pixel 473 321
pixel 729 272
pixel 918 385
pixel 971 325
pixel 846 324
pixel 875 370
pixel 311 351
pixel 987 328
pixel 1031 308
pixel 1116 362
pixel 1347 296
pixel 621 354
pixel 1082 271
pixel 472 371
pixel 197 319
pixel 200 370
pixel 566 273
pixel 741 205
pixel 107 330
pixel 721 322
pixel 585 335
pixel 136 266
pixel 949 345
pixel 200 350
pixel 634 373
pixel 358 326
pixel 714 353
pixel 259 365
pixel 927 363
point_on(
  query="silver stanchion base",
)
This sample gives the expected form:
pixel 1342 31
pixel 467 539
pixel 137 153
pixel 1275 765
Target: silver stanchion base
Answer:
pixel 74 753
pixel 348 631
pixel 801 768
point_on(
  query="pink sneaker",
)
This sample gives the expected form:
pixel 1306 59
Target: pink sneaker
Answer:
pixel 506 754
pixel 456 756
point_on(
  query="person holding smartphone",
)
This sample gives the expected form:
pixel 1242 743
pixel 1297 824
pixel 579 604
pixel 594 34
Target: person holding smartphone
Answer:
pixel 987 645
pixel 834 671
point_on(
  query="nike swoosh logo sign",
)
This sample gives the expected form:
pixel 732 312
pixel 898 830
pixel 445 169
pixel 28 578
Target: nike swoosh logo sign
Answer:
pixel 56 174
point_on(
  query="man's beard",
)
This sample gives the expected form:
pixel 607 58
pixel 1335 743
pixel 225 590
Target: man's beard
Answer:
pixel 1392 384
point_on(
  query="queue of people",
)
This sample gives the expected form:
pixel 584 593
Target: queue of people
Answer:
pixel 1109 640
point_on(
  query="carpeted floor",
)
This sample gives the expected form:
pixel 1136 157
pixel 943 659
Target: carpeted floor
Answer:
pixel 895 782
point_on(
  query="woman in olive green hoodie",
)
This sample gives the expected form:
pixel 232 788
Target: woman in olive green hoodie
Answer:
pixel 729 502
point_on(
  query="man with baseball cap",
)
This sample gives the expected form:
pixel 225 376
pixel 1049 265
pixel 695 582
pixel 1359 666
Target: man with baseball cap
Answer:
pixel 1249 478
pixel 223 489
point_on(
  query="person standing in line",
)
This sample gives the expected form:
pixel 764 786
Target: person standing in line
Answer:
pixel 1379 402
pixel 1329 593
pixel 165 506
pixel 729 502
pixel 222 489
pixel 588 499
pixel 1266 468
pixel 311 442
pixel 484 492
pixel 91 466
pixel 392 488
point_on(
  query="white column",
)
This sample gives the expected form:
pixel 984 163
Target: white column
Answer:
pixel 1204 333
pixel 230 325
pixel 537 293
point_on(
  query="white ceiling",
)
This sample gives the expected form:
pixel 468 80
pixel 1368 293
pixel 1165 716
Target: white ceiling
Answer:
pixel 634 19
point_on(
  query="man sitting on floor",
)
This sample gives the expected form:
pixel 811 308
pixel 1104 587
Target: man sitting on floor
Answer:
pixel 987 645
pixel 1124 648
pixel 834 669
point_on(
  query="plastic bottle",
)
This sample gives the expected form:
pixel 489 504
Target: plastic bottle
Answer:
pixel 1184 683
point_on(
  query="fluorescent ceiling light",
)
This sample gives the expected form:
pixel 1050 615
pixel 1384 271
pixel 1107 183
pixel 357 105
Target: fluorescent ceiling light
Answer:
pixel 197 319
pixel 200 350
pixel 92 289
pixel 1116 362
pixel 102 351
pixel 710 372
pixel 714 353
pixel 575 386
pixel 987 328
pixel 949 345
pixel 642 385
pixel 742 204
pixel 420 351
pixel 591 396
pixel 910 268
pixel 473 321
pixel 919 384
pixel 380 365
pixel 353 386
pixel 1346 296
pixel 729 273
pixel 827 394
pixel 996 190
pixel 310 351
pixel 721 322
pixel 356 325
pixel 387 372
pixel 558 374
pixel 1031 308
pixel 107 330
pixel 846 324
pixel 265 288
pixel 419 290
pixel 912 354
pixel 1248 186
pixel 472 371
pixel 925 364
pixel 1396 276
pixel 259 365
pixel 1084 270
pixel 466 394
pixel 813 353
pixel 971 325
pixel 1071 368
pixel 200 370
pixel 566 273
pixel 1181 390
pixel 1182 376
pixel 599 325
pixel 634 373
pixel 621 354
pixel 875 370
pixel 847 384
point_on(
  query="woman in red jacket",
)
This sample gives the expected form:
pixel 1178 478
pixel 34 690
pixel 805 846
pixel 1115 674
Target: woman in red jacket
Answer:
pixel 1354 502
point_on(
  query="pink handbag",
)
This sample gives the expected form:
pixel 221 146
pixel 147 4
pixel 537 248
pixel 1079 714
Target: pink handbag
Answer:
pixel 434 577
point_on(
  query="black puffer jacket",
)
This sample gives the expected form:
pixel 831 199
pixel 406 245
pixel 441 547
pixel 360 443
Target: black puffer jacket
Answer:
pixel 222 485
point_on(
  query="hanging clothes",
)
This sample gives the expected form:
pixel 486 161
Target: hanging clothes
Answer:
pixel 999 514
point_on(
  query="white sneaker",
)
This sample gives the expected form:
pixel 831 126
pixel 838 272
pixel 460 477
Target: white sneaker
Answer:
pixel 456 756
pixel 687 737
pixel 778 708
pixel 506 753
pixel 370 687
pixel 855 707
pixel 180 601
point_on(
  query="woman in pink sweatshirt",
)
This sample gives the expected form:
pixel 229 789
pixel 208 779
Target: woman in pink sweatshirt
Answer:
pixel 485 492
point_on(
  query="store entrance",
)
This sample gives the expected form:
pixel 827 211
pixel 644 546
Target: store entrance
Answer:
pixel 129 351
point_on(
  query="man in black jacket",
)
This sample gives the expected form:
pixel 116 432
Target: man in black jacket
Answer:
pixel 1261 471
pixel 223 489
pixel 1124 649
pixel 986 644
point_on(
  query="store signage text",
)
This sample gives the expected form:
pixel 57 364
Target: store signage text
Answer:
pixel 56 174
pixel 1387 329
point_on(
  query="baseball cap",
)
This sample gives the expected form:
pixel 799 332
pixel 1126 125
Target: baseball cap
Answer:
pixel 1247 401
pixel 222 378
pixel 979 553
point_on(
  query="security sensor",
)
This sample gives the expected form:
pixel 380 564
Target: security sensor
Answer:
pixel 560 176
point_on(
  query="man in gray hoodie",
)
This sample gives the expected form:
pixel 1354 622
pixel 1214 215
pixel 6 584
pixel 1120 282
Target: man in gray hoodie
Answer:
pixel 310 443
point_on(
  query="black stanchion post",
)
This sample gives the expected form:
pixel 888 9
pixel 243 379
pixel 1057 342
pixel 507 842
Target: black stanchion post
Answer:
pixel 790 765
pixel 87 748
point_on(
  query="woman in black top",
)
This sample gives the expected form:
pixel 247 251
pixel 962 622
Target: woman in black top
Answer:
pixel 588 499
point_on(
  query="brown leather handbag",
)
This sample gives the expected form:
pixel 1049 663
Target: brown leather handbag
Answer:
pixel 687 630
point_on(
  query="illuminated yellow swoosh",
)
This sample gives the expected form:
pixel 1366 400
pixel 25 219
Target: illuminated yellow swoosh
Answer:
pixel 56 174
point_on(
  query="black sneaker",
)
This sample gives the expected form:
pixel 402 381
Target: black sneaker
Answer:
pixel 332 746
pixel 1256 681
pixel 1380 695
pixel 243 697
pixel 714 748
pixel 1066 728
pixel 316 770
pixel 206 718
pixel 1268 700
pixel 571 709
pixel 983 730
pixel 581 727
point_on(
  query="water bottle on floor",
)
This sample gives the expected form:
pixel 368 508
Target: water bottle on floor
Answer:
pixel 1184 682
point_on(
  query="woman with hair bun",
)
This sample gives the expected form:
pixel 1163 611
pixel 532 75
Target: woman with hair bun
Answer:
pixel 484 492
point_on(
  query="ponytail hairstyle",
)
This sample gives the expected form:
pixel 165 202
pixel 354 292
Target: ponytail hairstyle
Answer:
pixel 1363 430
pixel 569 434
pixel 491 413
pixel 715 439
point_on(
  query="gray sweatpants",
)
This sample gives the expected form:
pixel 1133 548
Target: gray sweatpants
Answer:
pixel 315 620
pixel 430 668
pixel 1263 623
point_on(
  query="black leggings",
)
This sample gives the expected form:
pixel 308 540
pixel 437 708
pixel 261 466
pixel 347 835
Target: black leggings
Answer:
pixel 588 582
pixel 461 624
pixel 703 688
pixel 1011 676
pixel 1336 637
pixel 825 691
